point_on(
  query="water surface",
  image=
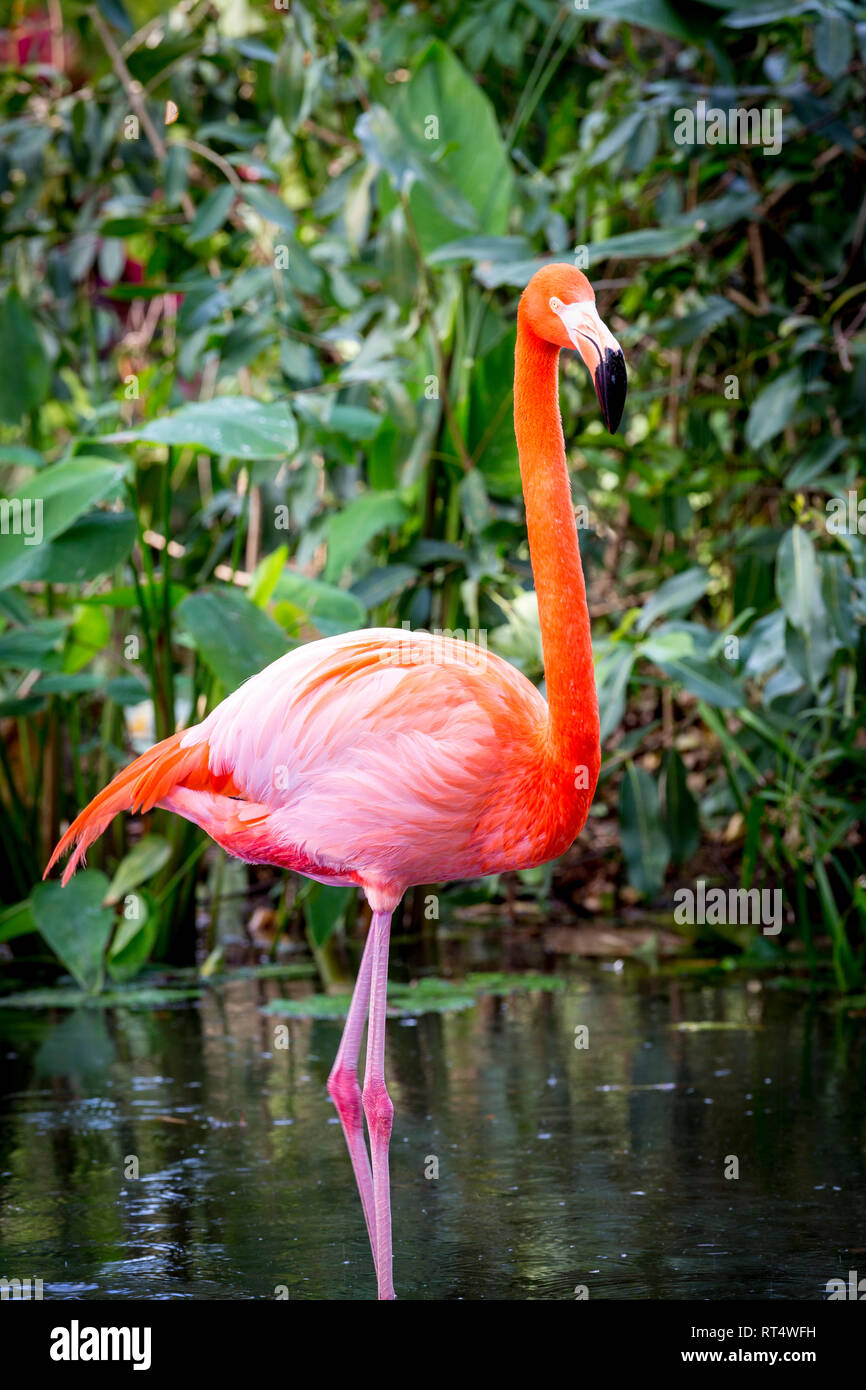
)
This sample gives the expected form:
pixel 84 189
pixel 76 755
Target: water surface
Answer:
pixel 558 1167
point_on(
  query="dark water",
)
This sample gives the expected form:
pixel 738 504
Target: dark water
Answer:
pixel 558 1167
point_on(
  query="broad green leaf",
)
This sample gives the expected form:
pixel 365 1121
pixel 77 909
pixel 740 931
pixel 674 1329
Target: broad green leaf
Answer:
pixel 295 78
pixel 324 910
pixel 126 998
pixel 481 248
pixel 682 651
pixel 329 609
pixel 615 139
pixel 75 924
pixel 17 920
pixel 837 588
pixel 675 595
pixel 467 147
pixel 93 545
pixel 612 675
pixel 25 372
pixel 382 583
pixel 144 860
pixel 233 637
pixel 648 14
pixel 798 583
pixel 644 843
pixel 89 634
pixel 810 651
pixel 474 502
pixel 22 648
pixel 236 426
pixel 47 505
pixel 211 213
pixel 649 242
pixel 350 530
pixel 264 578
pixel 749 16
pixel 269 206
pixel 834 44
pixel 134 938
pixel 353 421
pixel 387 147
pixel 679 809
pixel 773 408
pixel 645 244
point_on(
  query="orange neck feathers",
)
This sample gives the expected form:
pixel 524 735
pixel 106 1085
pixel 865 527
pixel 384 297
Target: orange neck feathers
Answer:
pixel 573 728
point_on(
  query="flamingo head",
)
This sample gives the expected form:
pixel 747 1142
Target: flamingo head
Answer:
pixel 559 305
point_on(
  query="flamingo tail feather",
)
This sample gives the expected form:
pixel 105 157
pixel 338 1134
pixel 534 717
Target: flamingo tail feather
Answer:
pixel 139 787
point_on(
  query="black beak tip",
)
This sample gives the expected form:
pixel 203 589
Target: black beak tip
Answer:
pixel 611 385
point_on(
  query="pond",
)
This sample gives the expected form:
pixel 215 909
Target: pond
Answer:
pixel 628 1134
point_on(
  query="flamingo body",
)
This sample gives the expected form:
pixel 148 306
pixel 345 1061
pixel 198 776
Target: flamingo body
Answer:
pixel 386 759
pixel 377 758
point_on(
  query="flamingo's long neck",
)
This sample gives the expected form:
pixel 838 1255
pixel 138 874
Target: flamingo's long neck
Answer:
pixel 573 732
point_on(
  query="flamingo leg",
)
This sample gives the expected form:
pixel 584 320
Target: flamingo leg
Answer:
pixel 346 1093
pixel 377 1102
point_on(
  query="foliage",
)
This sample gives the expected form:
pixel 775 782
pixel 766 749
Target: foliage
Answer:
pixel 256 366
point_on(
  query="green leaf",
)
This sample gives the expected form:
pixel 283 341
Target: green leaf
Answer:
pixel 269 206
pixel 324 910
pixel 613 673
pixel 836 592
pixel 144 860
pixel 294 79
pixel 236 426
pixel 649 242
pixel 810 651
pixel 48 504
pixel 24 647
pixel 264 578
pixel 615 139
pixel 474 502
pixel 350 530
pixel 687 652
pixel 17 921
pixel 480 248
pixel 234 638
pixel 211 213
pixel 329 609
pixel 353 421
pixel 773 408
pixel 798 584
pixel 468 150
pixel 387 148
pixel 647 14
pixel 834 44
pixel 746 16
pixel 644 843
pixel 75 924
pixel 25 372
pixel 675 595
pixel 65 998
pixel 93 545
pixel 645 244
pixel 679 809
pixel 383 583
pixel 134 940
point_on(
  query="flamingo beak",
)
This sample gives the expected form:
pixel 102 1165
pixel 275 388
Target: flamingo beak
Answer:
pixel 602 354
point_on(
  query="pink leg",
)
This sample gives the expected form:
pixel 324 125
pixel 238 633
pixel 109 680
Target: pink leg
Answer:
pixel 346 1093
pixel 377 1102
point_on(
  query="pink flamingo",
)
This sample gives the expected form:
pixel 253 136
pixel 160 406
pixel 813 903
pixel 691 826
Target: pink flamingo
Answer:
pixel 387 759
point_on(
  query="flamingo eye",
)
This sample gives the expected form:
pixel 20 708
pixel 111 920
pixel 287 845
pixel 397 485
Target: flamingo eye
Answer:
pixel 556 304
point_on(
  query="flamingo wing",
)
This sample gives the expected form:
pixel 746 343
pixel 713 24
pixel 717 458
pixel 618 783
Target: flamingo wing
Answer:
pixel 383 758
